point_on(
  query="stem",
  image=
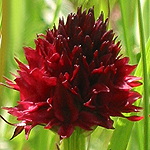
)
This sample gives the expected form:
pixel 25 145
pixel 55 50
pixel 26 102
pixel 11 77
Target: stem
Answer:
pixel 126 30
pixel 75 142
pixel 145 79
pixel 148 15
pixel 5 38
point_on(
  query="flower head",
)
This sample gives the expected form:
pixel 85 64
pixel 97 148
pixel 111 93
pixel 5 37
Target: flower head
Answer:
pixel 74 77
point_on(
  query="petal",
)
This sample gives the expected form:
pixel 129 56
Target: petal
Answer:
pixel 27 130
pixel 51 81
pixel 64 104
pixel 21 65
pixel 65 130
pixel 53 122
pixel 98 70
pixel 135 118
pixel 88 120
pixel 98 88
pixel 11 84
pixel 133 81
pixel 32 56
pixel 75 71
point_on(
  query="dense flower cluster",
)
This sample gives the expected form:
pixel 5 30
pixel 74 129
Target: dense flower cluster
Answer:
pixel 75 77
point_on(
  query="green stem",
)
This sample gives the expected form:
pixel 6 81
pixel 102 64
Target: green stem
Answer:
pixel 6 4
pixel 75 142
pixel 145 79
pixel 148 15
pixel 126 30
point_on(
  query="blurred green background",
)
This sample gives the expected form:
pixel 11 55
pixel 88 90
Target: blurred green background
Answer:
pixel 21 21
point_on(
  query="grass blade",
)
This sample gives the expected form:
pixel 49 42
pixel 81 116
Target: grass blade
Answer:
pixel 127 26
pixel 145 79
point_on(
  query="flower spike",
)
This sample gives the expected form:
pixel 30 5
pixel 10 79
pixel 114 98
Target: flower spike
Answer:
pixel 75 77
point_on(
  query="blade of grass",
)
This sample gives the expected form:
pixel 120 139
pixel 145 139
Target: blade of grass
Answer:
pixel 121 135
pixel 0 17
pixel 99 139
pixel 125 13
pixel 145 79
pixel 5 43
pixel 146 16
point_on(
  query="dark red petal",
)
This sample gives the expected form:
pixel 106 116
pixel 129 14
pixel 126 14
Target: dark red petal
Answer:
pixel 133 81
pixel 65 130
pixel 54 58
pixel 131 108
pixel 11 84
pixel 32 56
pixel 75 71
pixel 97 88
pixel 87 120
pixel 135 118
pixel 14 111
pixel 106 59
pixel 61 30
pixel 27 130
pixel 53 122
pixel 65 64
pixel 21 65
pixel 122 85
pixel 51 81
pixel 133 96
pixel 107 36
pixel 50 36
pixel 88 23
pixel 98 70
pixel 64 105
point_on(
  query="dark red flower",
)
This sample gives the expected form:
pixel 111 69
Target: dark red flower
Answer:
pixel 74 77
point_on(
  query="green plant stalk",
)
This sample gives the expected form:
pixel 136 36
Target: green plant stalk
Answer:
pixel 125 30
pixel 148 24
pixel 6 38
pixel 5 33
pixel 75 142
pixel 145 79
pixel 0 16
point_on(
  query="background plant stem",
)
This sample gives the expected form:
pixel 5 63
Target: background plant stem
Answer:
pixel 126 32
pixel 145 79
pixel 5 38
